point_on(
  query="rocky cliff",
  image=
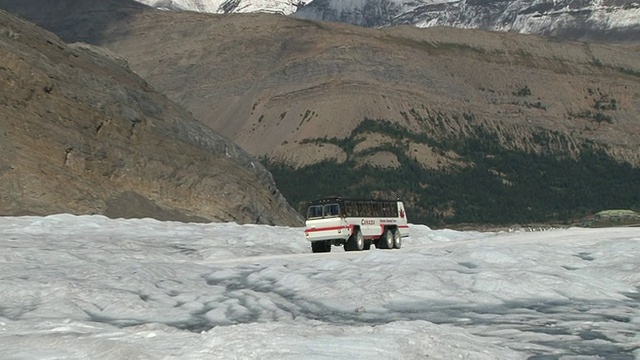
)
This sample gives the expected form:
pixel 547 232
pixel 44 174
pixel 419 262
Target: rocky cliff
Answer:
pixel 81 133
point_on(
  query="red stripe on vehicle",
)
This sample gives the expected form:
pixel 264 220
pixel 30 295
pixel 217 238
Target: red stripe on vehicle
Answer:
pixel 327 228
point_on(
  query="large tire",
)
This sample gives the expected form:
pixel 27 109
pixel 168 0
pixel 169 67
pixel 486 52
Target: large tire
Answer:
pixel 367 244
pixel 386 240
pixel 321 246
pixel 397 238
pixel 355 241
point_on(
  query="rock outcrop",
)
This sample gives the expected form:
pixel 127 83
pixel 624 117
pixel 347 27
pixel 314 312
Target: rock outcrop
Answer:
pixel 80 133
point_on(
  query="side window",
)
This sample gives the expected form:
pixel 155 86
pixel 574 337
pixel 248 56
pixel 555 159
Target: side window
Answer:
pixel 371 210
pixel 391 210
pixel 356 209
pixel 362 209
pixel 349 208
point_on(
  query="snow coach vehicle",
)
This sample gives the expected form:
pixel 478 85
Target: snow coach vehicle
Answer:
pixel 355 224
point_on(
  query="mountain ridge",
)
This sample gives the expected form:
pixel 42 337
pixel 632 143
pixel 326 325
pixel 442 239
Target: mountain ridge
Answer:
pixel 468 126
pixel 323 105
pixel 439 46
pixel 601 20
pixel 82 134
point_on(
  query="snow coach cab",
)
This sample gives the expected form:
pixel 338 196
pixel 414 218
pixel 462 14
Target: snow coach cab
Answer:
pixel 355 224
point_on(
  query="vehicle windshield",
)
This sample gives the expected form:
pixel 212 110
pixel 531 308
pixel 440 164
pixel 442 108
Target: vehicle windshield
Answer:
pixel 314 211
pixel 320 211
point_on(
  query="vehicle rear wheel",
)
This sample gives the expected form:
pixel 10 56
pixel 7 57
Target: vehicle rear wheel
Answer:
pixel 397 239
pixel 386 240
pixel 367 244
pixel 355 242
pixel 321 246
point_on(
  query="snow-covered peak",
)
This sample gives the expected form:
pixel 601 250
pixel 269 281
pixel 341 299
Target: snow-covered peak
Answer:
pixel 580 19
pixel 617 20
pixel 284 7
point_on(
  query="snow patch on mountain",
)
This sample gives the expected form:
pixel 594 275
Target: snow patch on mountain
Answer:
pixel 577 19
pixel 284 7
pixel 572 18
pixel 522 16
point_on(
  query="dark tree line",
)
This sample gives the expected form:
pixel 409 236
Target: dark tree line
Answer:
pixel 530 188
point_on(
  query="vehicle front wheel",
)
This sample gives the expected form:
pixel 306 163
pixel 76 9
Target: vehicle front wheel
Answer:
pixel 321 246
pixel 355 242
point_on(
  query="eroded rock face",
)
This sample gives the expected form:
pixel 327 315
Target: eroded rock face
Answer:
pixel 274 84
pixel 277 85
pixel 80 133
